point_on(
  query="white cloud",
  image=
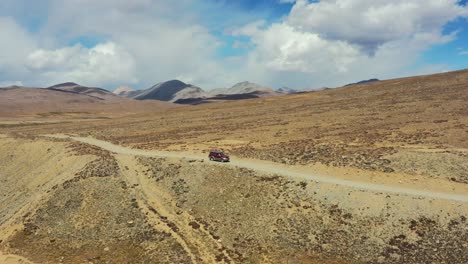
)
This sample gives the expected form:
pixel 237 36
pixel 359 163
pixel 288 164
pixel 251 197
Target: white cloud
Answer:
pixel 23 62
pixel 142 42
pixel 15 44
pixel 371 23
pixel 138 41
pixel 250 29
pixel 334 42
pixel 10 83
pixel 105 63
pixel 463 52
pixel 165 38
pixel 283 48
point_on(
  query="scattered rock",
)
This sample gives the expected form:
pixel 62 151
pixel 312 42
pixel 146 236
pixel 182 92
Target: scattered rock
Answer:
pixel 194 225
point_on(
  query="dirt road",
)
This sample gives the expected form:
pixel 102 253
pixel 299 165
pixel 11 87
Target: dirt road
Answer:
pixel 200 246
pixel 275 168
pixel 13 259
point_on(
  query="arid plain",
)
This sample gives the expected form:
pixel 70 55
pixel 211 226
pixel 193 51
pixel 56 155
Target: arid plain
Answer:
pixel 372 173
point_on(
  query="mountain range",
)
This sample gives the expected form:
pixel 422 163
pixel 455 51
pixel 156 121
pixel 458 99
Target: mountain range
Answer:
pixel 173 91
pixel 125 91
pixel 84 90
pixel 287 90
pixel 182 93
pixel 363 82
pixel 69 97
pixel 244 88
pixel 170 91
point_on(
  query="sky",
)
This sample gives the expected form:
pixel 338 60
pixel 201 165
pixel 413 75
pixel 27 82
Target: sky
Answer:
pixel 218 43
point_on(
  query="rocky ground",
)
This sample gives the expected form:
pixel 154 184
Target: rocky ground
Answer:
pixel 68 202
pixel 89 216
pixel 309 152
pixel 416 126
pixel 116 208
pixel 268 218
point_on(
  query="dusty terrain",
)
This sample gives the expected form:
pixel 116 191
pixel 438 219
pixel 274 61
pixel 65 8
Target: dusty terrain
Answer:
pixel 373 173
pixel 37 104
pixel 403 125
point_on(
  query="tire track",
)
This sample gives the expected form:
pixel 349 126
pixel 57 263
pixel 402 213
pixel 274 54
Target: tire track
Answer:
pixel 201 247
pixel 276 169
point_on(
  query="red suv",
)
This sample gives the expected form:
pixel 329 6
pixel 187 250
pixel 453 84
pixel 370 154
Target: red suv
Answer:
pixel 218 155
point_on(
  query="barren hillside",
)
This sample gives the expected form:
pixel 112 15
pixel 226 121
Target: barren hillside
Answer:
pixel 24 102
pixel 402 125
pixel 89 91
pixel 372 173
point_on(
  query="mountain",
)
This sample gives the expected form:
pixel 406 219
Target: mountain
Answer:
pixel 286 90
pixel 217 91
pixel 170 91
pixel 18 100
pixel 248 87
pixel 391 160
pixel 125 91
pixel 182 93
pixel 244 88
pixel 84 90
pixel 363 82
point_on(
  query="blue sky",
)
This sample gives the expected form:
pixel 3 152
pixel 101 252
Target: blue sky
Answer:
pixel 269 10
pixel 217 43
pixel 451 53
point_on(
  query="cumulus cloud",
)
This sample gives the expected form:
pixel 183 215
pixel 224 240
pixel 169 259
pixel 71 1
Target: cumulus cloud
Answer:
pixel 283 48
pixel 22 61
pixel 10 83
pixel 370 23
pixel 16 43
pixel 165 38
pixel 142 42
pixel 250 29
pixel 333 42
pixel 104 63
pixel 138 42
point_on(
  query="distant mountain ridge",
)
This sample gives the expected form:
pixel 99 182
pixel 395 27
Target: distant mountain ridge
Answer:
pixel 65 84
pixel 125 91
pixel 69 98
pixel 182 93
pixel 286 90
pixel 243 88
pixel 96 92
pixel 170 91
pixel 363 82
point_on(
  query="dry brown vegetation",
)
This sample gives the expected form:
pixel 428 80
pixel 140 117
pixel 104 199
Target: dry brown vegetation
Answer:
pixel 44 105
pixel 396 125
pixel 70 202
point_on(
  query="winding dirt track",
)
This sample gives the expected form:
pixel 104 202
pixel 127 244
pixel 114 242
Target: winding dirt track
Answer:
pixel 13 259
pixel 270 167
pixel 157 204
